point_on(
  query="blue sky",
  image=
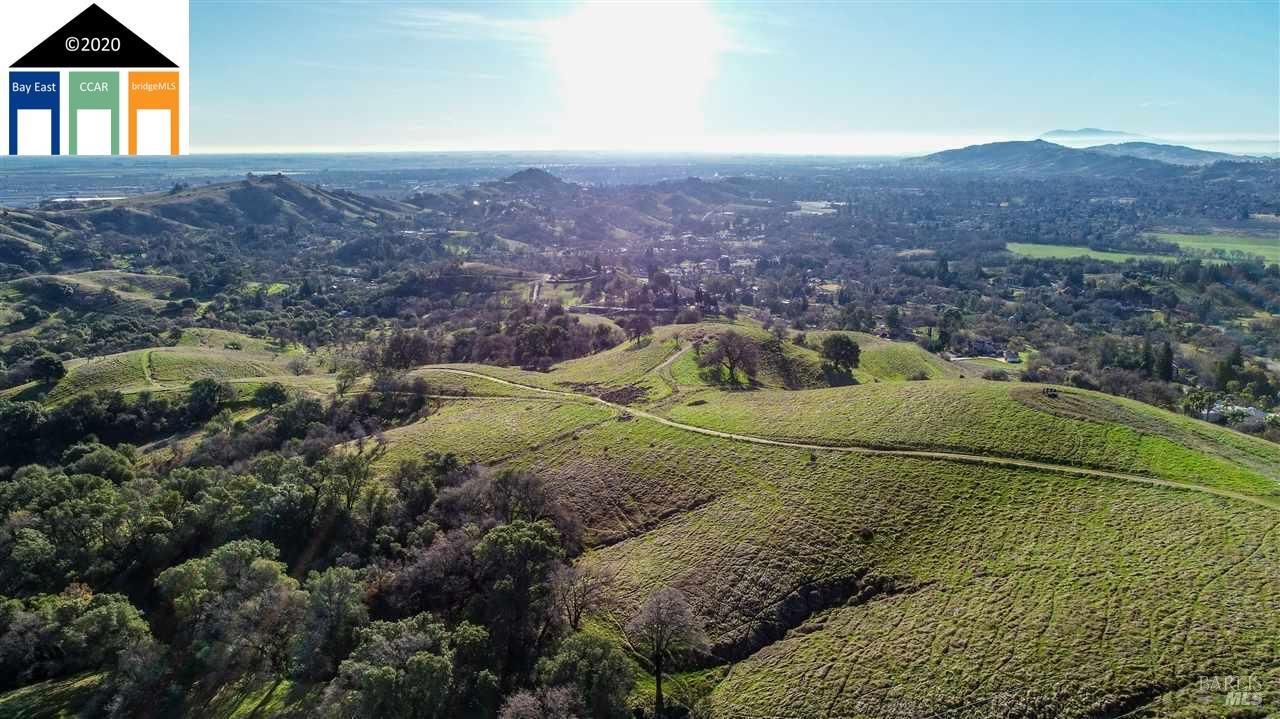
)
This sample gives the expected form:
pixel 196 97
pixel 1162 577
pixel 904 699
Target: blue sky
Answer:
pixel 839 77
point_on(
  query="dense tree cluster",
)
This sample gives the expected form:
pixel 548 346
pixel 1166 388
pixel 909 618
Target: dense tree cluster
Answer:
pixel 419 588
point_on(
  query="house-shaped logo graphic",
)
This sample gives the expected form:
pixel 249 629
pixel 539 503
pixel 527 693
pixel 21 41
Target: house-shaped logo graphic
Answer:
pixel 85 60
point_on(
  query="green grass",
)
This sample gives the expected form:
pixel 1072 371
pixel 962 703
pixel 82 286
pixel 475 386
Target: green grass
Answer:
pixel 977 365
pixel 593 320
pixel 166 369
pixel 183 365
pixel 888 361
pixel 489 430
pixel 249 699
pixel 627 364
pixel 1027 249
pixel 1001 419
pixel 219 339
pixel 145 289
pixel 1266 247
pixel 449 383
pixel 1007 584
pixel 53 699
pixel 124 372
pixel 270 288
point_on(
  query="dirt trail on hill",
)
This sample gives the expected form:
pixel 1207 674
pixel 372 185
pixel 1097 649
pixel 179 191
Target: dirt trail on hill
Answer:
pixel 146 369
pixel 855 449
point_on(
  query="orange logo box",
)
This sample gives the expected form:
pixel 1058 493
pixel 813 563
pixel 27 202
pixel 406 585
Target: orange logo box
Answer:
pixel 153 91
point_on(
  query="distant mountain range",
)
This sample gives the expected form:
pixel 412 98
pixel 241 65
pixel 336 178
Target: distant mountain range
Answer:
pixel 1126 159
pixel 1172 154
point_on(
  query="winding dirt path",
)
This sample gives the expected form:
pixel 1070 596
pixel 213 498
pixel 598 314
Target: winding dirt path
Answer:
pixel 988 460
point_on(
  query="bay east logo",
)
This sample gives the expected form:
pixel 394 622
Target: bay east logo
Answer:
pixel 95 86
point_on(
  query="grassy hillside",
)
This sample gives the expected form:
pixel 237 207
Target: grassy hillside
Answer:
pixel 268 199
pixel 839 585
pixel 1002 419
pixel 53 699
pixel 888 361
pixel 81 287
pixel 200 354
pixel 222 339
pixel 912 580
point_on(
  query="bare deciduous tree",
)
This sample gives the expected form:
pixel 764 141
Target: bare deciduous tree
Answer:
pixel 665 626
pixel 577 590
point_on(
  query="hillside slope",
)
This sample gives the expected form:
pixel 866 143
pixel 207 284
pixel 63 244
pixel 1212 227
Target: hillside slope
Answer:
pixel 839 584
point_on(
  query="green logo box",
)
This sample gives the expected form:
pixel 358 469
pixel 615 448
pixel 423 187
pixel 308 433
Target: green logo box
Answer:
pixel 93 91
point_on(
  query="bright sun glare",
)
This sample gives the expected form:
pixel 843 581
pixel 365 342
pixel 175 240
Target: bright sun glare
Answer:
pixel 633 75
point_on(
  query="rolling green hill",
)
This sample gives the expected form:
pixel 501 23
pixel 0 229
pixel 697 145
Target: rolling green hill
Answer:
pixel 146 289
pixel 200 354
pixel 262 200
pixel 939 577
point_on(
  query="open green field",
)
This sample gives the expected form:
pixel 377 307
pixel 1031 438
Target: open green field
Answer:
pixel 1266 247
pixel 1062 252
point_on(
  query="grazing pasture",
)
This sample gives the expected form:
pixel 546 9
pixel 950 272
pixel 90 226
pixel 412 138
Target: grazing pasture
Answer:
pixel 1227 246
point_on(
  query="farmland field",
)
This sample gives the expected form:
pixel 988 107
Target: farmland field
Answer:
pixel 1266 247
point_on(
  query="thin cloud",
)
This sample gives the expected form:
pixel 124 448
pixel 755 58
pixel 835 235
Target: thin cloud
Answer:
pixel 445 24
pixel 465 25
pixel 392 69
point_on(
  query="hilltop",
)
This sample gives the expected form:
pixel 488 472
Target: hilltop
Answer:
pixel 268 200
pixel 1141 160
pixel 1037 157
